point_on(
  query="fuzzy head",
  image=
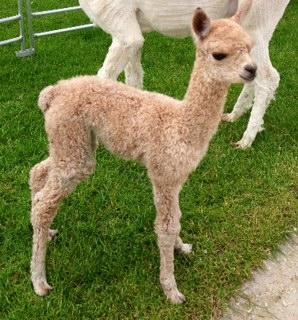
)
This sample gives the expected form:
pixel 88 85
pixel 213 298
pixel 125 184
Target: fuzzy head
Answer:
pixel 224 48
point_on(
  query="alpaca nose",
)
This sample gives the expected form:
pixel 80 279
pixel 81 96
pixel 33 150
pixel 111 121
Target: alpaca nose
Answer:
pixel 251 69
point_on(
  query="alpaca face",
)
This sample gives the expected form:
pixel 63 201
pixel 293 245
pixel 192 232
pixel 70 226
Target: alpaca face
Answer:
pixel 224 49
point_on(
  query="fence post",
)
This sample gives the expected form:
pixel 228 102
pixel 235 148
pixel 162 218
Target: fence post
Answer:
pixel 27 35
pixel 31 50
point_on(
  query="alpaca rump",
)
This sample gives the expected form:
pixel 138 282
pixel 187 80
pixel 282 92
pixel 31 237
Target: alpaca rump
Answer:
pixel 45 98
pixel 169 137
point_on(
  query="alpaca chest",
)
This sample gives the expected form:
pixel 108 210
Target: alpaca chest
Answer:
pixel 175 164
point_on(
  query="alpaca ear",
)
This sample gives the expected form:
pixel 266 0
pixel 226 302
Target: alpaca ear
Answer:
pixel 242 11
pixel 201 24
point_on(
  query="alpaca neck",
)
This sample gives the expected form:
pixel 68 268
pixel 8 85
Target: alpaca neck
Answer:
pixel 204 103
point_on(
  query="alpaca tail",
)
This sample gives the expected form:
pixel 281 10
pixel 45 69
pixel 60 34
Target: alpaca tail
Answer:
pixel 46 96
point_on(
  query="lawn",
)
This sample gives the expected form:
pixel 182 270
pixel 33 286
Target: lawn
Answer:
pixel 237 207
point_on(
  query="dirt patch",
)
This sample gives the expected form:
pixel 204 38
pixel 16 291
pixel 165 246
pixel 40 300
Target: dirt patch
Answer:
pixel 273 291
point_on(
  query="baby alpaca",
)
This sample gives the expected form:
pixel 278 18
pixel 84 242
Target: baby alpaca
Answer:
pixel 168 136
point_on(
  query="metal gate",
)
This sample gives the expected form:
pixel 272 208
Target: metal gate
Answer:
pixel 21 38
pixel 31 34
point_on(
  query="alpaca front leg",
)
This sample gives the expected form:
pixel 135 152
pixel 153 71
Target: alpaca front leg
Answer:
pixel 265 91
pixel 167 227
pixel 265 85
pixel 242 105
pixel 166 243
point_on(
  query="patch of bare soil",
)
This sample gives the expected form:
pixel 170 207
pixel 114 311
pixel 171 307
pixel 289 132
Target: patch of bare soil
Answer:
pixel 272 294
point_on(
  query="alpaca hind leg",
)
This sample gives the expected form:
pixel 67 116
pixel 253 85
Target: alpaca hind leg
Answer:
pixel 73 163
pixel 60 183
pixel 38 178
pixel 44 208
pixel 127 39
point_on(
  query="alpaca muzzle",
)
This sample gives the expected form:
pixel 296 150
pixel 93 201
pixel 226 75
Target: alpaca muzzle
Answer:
pixel 250 72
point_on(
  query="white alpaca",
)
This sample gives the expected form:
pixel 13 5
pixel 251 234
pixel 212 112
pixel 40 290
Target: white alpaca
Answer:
pixel 126 20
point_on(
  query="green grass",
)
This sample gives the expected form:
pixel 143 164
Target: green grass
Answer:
pixel 237 207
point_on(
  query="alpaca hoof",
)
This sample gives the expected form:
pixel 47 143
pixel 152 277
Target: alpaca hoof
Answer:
pixel 52 235
pixel 175 296
pixel 228 117
pixel 42 288
pixel 186 248
pixel 243 144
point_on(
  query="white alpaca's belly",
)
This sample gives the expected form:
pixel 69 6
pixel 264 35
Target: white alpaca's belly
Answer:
pixel 173 18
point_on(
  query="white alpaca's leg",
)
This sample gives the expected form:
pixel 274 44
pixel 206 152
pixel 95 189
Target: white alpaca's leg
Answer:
pixel 127 41
pixel 134 71
pixel 243 104
pixel 115 61
pixel 266 83
pixel 167 227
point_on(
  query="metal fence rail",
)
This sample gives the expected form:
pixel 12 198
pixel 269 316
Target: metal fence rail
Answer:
pixel 40 14
pixel 21 38
pixel 31 33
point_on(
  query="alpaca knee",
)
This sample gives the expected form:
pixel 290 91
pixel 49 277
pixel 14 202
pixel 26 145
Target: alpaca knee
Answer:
pixel 167 227
pixel 267 83
pixel 133 44
pixel 45 202
pixel 38 176
pixel 44 207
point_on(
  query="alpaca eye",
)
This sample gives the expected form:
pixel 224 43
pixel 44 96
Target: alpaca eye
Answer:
pixel 219 56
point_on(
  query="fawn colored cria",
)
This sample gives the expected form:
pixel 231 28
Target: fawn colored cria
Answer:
pixel 169 137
